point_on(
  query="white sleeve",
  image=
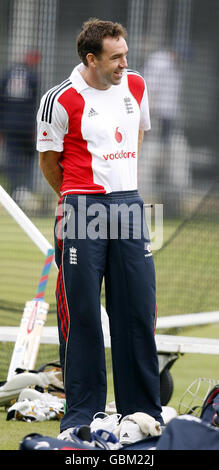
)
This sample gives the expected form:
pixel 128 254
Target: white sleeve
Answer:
pixel 145 122
pixel 50 135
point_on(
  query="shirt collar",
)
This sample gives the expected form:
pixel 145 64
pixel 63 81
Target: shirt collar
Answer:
pixel 77 80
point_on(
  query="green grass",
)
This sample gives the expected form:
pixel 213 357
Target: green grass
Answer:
pixel 187 271
pixel 12 432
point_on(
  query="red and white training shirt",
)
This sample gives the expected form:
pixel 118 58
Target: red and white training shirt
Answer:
pixel 96 132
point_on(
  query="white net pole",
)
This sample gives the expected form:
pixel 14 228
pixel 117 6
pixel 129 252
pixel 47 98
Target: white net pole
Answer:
pixel 25 223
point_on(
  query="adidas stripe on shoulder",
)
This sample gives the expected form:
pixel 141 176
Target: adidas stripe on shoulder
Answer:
pixel 51 96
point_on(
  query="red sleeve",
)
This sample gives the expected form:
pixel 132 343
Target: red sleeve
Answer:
pixel 136 86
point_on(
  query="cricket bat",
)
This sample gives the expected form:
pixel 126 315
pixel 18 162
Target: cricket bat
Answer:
pixel 31 327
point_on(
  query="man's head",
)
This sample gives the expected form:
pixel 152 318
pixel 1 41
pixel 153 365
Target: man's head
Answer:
pixel 102 48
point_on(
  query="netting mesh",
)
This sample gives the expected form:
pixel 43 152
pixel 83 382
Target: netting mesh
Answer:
pixel 190 256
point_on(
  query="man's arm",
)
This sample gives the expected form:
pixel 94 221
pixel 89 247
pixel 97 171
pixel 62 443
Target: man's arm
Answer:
pixel 140 140
pixel 48 162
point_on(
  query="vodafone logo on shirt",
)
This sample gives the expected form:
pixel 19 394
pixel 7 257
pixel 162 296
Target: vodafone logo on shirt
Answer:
pixel 120 137
pixel 119 155
pixel 45 138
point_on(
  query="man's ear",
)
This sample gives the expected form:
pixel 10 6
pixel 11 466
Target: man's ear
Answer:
pixel 91 60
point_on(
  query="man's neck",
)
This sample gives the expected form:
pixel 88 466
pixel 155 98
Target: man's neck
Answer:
pixel 92 80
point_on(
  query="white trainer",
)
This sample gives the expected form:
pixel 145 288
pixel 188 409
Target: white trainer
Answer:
pixel 136 427
pixel 66 434
pixel 106 422
pixel 130 432
pixel 168 413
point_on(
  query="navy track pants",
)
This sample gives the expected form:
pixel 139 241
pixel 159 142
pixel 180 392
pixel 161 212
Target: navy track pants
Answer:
pixel 95 240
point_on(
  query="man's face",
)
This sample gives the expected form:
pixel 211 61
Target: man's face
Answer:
pixel 112 61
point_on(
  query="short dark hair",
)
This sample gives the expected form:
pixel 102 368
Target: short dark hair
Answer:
pixel 92 34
